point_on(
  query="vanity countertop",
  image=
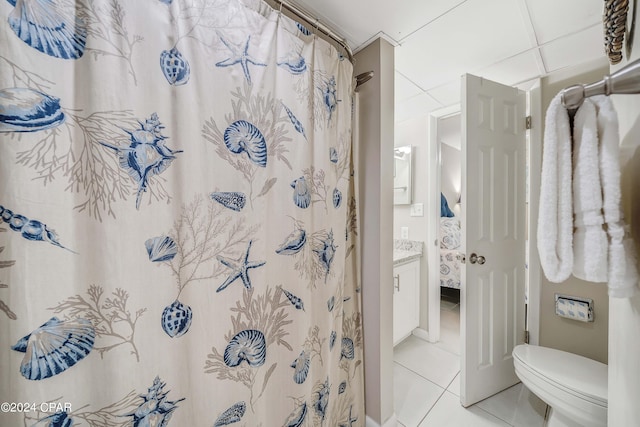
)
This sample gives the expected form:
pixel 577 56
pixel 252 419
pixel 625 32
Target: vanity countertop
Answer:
pixel 406 250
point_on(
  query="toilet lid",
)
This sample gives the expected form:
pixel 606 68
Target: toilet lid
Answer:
pixel 578 375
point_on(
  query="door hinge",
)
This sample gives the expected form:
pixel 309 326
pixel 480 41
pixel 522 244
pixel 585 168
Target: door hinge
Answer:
pixel 526 337
pixel 527 122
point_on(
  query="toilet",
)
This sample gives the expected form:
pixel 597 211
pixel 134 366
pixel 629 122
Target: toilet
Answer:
pixel 574 387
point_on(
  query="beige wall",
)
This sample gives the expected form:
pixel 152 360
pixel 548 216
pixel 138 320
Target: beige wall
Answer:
pixel 375 157
pixel 624 320
pixel 586 339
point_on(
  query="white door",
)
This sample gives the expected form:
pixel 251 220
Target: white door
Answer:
pixel 493 230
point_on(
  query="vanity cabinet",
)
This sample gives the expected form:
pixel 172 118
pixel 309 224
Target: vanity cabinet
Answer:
pixel 406 299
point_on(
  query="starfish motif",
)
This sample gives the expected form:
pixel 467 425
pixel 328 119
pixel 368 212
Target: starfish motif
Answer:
pixel 350 420
pixel 240 269
pixel 240 56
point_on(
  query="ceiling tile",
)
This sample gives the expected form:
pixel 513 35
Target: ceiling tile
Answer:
pixel 552 18
pixel 420 105
pixel 404 88
pixel 448 94
pixel 360 20
pixel 474 35
pixel 513 70
pixel 584 46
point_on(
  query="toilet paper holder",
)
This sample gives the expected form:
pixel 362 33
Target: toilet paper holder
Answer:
pixel 575 308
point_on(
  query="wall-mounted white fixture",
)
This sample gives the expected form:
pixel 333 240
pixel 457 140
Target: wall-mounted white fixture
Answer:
pixel 404 232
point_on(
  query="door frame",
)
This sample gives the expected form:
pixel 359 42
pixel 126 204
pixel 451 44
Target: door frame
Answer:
pixel 433 221
pixel 534 271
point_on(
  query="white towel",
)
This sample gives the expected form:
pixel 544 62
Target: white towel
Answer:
pixel 622 272
pixel 555 222
pixel 590 244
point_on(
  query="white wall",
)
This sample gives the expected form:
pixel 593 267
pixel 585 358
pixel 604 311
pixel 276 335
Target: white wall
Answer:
pixel 375 157
pixel 450 175
pixel 624 320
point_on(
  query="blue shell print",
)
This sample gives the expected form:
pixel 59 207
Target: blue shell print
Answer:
pixel 28 110
pixel 330 303
pixel 301 367
pixel 293 243
pixel 322 399
pixel 337 198
pixel 146 155
pixel 174 66
pixel 329 96
pixel 243 137
pixel 31 229
pixel 232 200
pixel 295 122
pixel 326 253
pixel 295 301
pixel 342 387
pixel 303 29
pixel 51 27
pixel 293 62
pixel 333 155
pixel 296 418
pixel 246 346
pixel 162 248
pixel 347 349
pixel 59 419
pixel 232 415
pixel 55 347
pixel 156 409
pixel 332 339
pixel 176 319
pixel 301 193
pixel 240 55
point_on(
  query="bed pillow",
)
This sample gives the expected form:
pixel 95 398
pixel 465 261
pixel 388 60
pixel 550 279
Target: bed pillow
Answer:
pixel 444 207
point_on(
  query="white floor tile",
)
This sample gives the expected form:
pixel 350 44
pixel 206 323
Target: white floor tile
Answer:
pixel 447 305
pixel 433 363
pixel 448 412
pixel 517 406
pixel 454 387
pixel 450 331
pixel 413 395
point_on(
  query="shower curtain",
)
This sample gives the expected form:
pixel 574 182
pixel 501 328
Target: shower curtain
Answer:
pixel 178 232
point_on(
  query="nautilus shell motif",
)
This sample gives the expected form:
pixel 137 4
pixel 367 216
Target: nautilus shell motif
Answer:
pixel 301 193
pixel 293 243
pixel 28 110
pixel 348 350
pixel 174 66
pixel 296 418
pixel 55 347
pixel 31 229
pixel 52 27
pixel 301 367
pixel 243 137
pixel 232 200
pixel 176 319
pixel 156 409
pixel 162 248
pixel 293 62
pixel 232 415
pixel 146 155
pixel 247 346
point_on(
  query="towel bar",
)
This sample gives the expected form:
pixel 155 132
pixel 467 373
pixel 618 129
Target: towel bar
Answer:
pixel 624 81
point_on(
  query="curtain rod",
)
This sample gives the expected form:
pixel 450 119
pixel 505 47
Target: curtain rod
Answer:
pixel 318 25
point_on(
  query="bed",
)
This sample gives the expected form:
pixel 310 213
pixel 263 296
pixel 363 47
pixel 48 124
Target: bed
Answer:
pixel 449 247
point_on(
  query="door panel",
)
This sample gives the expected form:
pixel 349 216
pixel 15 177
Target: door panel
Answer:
pixel 493 218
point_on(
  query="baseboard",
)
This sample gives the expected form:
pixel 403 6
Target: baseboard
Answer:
pixel 391 422
pixel 421 333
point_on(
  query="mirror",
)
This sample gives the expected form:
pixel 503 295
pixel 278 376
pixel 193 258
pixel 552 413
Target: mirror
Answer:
pixel 402 175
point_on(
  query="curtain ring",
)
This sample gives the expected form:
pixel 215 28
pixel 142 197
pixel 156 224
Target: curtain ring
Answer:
pixel 280 10
pixel 315 33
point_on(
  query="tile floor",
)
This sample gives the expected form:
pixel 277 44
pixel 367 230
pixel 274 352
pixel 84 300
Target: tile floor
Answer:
pixel 427 388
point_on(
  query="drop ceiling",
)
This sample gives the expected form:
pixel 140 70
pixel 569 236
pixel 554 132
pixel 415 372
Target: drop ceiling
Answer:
pixel 510 41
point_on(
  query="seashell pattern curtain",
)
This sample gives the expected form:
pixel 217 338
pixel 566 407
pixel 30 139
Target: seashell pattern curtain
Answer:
pixel 178 218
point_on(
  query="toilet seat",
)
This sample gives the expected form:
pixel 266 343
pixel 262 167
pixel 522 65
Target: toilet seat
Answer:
pixel 577 375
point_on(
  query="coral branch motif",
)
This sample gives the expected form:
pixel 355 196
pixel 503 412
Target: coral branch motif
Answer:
pixel 6 264
pixel 315 181
pixel 267 124
pixel 263 317
pixel 106 24
pixel 110 415
pixel 110 317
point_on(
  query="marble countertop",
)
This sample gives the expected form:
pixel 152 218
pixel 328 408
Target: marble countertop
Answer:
pixel 406 250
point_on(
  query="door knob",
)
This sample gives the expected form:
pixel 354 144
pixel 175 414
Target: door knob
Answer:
pixel 473 258
pixel 481 260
